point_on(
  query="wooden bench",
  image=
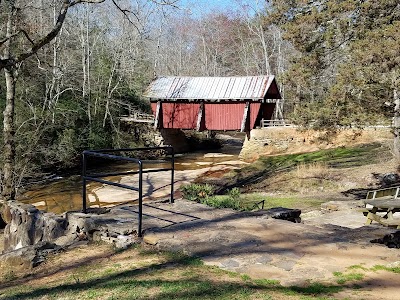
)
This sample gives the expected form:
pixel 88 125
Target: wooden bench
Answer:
pixel 385 201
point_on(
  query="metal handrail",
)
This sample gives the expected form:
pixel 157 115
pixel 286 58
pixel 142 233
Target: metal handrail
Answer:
pixel 257 205
pixel 139 189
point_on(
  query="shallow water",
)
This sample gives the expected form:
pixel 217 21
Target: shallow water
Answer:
pixel 65 194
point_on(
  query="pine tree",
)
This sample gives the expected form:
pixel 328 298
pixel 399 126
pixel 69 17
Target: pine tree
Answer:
pixel 347 68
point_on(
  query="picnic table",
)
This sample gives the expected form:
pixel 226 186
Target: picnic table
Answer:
pixel 381 205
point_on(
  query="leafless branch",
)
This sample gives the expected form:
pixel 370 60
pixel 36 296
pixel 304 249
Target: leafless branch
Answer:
pixel 3 41
pixel 15 34
pixel 126 12
pixel 166 2
pixel 27 36
pixel 75 2
pixel 48 37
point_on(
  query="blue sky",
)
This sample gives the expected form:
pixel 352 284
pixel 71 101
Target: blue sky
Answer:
pixel 206 6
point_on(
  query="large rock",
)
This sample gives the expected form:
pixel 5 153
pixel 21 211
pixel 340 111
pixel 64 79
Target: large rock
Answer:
pixel 26 258
pixel 31 234
pixel 27 226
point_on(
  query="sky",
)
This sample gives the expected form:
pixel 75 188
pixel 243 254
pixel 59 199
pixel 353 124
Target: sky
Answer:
pixel 206 6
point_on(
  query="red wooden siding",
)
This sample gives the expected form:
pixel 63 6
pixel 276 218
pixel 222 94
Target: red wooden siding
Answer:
pixel 178 115
pixel 228 116
pixel 217 116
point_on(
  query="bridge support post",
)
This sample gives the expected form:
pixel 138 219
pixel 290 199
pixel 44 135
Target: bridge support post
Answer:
pixel 158 122
pixel 200 118
pixel 246 118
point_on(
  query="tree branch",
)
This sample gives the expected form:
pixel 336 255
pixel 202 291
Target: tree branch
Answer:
pixel 166 2
pixel 66 4
pixel 125 12
pixel 36 46
pixel 3 41
pixel 75 2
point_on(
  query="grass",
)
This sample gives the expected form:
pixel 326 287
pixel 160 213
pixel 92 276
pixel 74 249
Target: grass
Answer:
pixel 358 267
pixel 337 158
pixel 316 289
pixel 342 278
pixel 142 274
pixel 250 201
pixel 253 201
pixel 384 268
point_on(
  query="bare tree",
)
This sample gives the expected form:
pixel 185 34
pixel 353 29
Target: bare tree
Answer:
pixel 21 39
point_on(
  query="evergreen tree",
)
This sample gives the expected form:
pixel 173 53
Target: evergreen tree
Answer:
pixel 347 65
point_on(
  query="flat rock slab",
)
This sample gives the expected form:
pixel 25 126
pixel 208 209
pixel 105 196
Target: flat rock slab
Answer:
pixel 255 245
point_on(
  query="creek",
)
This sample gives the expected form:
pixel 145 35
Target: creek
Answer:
pixel 65 194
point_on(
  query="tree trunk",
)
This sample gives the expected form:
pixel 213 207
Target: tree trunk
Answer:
pixel 396 124
pixel 8 191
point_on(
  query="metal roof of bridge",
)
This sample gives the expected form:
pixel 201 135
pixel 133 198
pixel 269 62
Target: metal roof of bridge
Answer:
pixel 254 88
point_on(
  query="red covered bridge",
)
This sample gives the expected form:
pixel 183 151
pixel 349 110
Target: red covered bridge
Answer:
pixel 212 103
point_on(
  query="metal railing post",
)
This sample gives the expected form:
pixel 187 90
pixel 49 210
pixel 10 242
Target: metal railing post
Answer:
pixel 97 177
pixel 140 198
pixel 172 175
pixel 84 182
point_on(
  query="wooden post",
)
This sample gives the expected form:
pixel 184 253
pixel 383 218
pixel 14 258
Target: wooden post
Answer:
pixel 396 124
pixel 200 117
pixel 246 118
pixel 158 120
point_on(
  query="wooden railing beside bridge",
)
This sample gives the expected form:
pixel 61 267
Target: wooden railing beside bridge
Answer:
pixel 275 123
pixel 138 117
pixel 134 113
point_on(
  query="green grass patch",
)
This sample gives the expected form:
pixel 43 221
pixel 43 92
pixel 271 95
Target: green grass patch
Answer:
pixel 358 267
pixel 245 277
pixel 342 278
pixel 384 268
pixel 252 201
pixel 266 282
pixel 315 289
pixel 183 259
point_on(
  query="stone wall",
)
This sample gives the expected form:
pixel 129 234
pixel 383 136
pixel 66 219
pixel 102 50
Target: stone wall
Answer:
pixel 286 140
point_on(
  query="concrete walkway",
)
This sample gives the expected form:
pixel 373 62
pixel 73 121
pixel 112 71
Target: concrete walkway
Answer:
pixel 253 244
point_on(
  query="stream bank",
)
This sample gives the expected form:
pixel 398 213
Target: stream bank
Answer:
pixel 64 194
